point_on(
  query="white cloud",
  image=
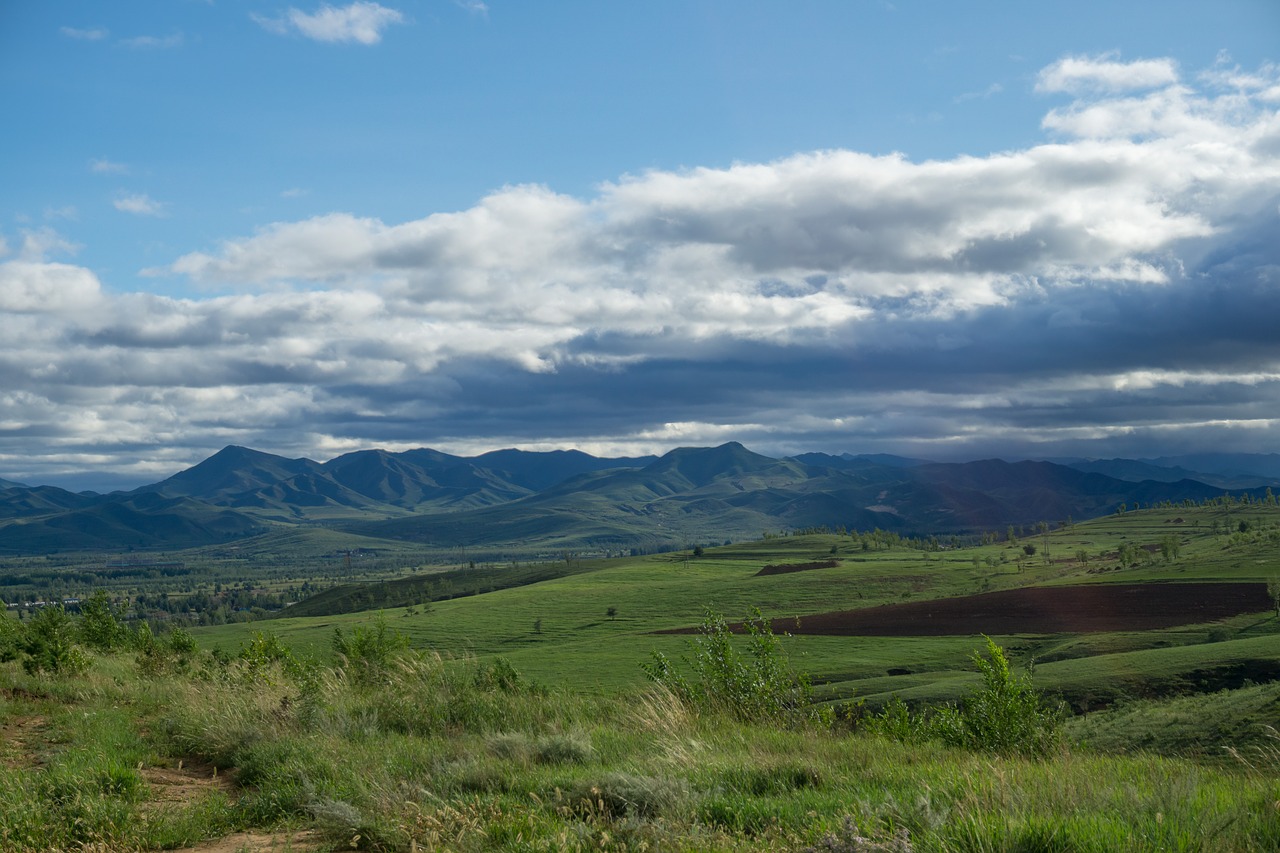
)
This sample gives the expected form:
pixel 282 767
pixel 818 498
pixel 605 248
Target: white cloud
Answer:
pixel 1085 74
pixel 103 166
pixel 140 204
pixel 85 34
pixel 475 7
pixel 154 42
pixel 361 22
pixel 38 244
pixel 61 291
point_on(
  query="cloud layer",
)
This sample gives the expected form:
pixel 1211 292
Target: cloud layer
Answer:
pixel 1111 291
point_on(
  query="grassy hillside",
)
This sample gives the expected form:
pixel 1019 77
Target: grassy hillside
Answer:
pixel 595 628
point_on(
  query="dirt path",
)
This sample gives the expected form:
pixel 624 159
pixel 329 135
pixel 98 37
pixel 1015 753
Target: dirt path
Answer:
pixel 257 842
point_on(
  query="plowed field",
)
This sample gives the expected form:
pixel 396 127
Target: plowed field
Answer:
pixel 1042 610
pixel 1046 610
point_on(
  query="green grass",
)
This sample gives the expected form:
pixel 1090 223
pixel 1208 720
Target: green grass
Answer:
pixel 444 748
pixel 435 754
pixel 559 633
pixel 580 754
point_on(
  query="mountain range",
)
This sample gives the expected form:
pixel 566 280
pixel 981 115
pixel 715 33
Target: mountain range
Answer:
pixel 525 501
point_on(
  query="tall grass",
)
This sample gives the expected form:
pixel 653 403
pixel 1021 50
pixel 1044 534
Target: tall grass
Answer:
pixel 394 749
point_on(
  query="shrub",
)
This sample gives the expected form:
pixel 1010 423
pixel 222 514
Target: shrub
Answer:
pixel 368 651
pixel 1006 715
pixel 759 685
pixel 265 652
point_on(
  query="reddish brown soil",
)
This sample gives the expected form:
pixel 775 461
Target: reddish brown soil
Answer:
pixel 1046 610
pixel 1042 610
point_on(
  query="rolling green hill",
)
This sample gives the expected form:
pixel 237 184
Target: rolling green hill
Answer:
pixel 605 617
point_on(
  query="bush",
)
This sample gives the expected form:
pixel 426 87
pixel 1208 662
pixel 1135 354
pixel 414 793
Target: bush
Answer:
pixel 1006 715
pixel 368 651
pixel 759 685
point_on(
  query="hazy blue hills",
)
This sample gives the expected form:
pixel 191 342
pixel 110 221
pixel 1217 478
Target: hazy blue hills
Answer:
pixel 859 462
pixel 114 523
pixel 1217 470
pixel 568 500
pixel 728 492
pixel 24 501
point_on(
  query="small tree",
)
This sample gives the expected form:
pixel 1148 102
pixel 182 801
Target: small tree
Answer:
pixel 98 627
pixel 1273 590
pixel 759 685
pixel 49 644
pixel 1005 715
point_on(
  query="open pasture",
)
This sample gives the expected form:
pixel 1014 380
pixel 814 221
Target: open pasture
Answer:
pixel 592 630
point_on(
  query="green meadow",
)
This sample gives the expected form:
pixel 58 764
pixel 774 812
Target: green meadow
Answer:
pixel 523 719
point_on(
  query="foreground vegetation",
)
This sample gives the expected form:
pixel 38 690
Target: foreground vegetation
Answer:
pixel 551 716
pixel 394 749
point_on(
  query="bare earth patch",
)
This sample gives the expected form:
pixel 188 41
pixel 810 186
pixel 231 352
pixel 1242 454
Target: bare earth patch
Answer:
pixel 186 783
pixel 18 737
pixel 1046 610
pixel 1079 609
pixel 258 842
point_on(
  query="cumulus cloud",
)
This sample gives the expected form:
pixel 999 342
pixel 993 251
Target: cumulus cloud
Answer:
pixel 361 22
pixel 140 204
pixel 1109 290
pixel 1084 74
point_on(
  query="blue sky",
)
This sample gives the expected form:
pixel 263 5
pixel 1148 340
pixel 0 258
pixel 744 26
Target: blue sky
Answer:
pixel 944 229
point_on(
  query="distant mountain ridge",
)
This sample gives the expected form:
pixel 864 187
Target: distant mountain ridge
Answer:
pixel 1137 470
pixel 525 500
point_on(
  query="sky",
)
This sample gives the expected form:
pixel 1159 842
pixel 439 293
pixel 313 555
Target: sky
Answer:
pixel 950 230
